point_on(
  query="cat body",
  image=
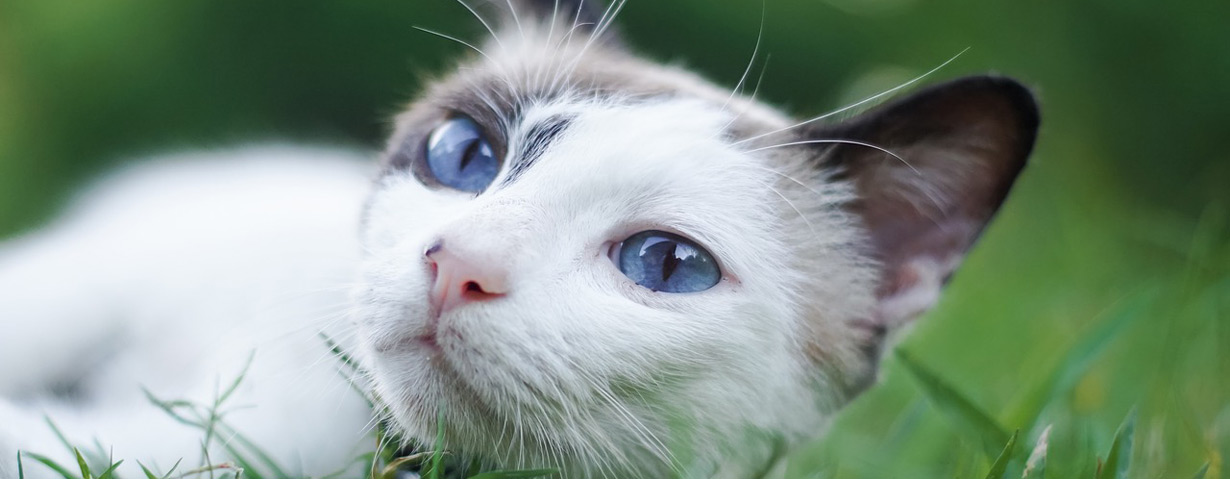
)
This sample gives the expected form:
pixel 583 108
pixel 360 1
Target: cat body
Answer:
pixel 569 257
pixel 171 276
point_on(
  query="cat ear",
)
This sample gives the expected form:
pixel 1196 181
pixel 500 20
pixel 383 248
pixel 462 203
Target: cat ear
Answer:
pixel 586 16
pixel 956 149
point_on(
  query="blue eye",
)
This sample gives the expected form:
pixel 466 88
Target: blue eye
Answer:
pixel 668 263
pixel 459 157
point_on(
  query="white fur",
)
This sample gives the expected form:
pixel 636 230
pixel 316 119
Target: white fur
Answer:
pixel 169 276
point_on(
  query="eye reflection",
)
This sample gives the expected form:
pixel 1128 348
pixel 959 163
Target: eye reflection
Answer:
pixel 667 263
pixel 460 157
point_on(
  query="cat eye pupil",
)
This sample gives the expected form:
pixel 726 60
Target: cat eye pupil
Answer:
pixel 469 155
pixel 670 262
pixel 666 262
pixel 459 156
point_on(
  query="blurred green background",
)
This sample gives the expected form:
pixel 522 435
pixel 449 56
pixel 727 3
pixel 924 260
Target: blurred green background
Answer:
pixel 1120 219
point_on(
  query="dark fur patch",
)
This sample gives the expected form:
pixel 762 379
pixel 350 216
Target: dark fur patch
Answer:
pixel 537 139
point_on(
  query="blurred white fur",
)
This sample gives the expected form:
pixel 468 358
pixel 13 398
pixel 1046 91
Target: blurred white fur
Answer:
pixel 168 276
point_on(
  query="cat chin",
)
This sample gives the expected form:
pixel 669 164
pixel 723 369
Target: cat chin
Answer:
pixel 509 424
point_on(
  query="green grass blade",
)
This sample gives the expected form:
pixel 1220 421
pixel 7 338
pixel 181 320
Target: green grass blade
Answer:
pixel 98 455
pixel 1081 357
pixel 172 469
pixel 1035 466
pixel 110 472
pixel 528 474
pixel 1118 460
pixel 390 470
pixel 234 386
pixel 21 470
pixel 168 407
pixel 1203 470
pixel 46 461
pixel 59 434
pixel 148 473
pixel 263 457
pixel 81 463
pixel 999 470
pixel 241 462
pixel 437 456
pixel 341 354
pixel 968 418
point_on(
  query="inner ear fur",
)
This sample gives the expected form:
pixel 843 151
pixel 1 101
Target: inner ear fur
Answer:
pixel 956 149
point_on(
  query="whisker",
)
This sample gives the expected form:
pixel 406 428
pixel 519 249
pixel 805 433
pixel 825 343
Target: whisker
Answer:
pixel 751 103
pixel 858 103
pixel 792 206
pixel 455 39
pixel 608 17
pixel 843 142
pixel 516 19
pixel 559 80
pixel 751 61
pixel 542 68
pixel 486 25
pixel 792 180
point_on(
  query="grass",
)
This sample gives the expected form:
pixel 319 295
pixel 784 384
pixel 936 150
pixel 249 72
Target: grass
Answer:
pixel 985 445
pixel 1138 391
pixel 247 460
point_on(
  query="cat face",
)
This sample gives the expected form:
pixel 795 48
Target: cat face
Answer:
pixel 582 260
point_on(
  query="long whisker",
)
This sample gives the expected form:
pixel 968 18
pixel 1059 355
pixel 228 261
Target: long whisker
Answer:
pixel 793 180
pixel 858 103
pixel 789 203
pixel 485 25
pixel 608 17
pixel 751 99
pixel 751 61
pixel 516 19
pixel 455 39
pixel 543 68
pixel 842 142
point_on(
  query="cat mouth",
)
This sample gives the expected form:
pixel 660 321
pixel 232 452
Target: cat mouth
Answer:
pixel 429 343
pixel 428 338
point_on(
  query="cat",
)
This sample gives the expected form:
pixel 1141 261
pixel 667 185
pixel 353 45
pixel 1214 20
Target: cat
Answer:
pixel 569 257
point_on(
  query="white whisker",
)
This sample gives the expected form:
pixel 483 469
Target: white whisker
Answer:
pixel 751 103
pixel 792 206
pixel 455 39
pixel 516 19
pixel 750 62
pixel 842 142
pixel 858 103
pixel 486 25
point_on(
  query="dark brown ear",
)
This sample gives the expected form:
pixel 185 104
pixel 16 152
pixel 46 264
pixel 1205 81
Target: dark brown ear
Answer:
pixel 956 149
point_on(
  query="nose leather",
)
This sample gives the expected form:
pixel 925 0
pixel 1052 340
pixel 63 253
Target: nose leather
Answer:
pixel 463 278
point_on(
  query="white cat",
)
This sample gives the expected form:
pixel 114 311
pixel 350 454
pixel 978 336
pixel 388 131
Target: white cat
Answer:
pixel 577 259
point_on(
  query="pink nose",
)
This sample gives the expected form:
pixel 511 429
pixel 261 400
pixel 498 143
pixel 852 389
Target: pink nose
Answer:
pixel 460 280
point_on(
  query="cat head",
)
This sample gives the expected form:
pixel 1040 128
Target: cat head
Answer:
pixel 579 259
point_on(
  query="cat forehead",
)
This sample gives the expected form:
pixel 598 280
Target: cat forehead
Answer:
pixel 539 64
pixel 670 147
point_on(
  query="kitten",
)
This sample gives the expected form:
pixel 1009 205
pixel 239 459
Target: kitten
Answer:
pixel 571 258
